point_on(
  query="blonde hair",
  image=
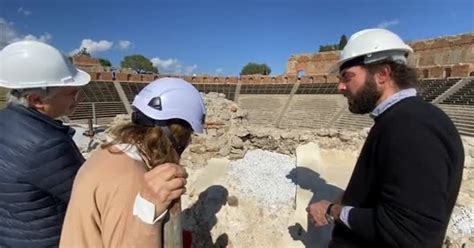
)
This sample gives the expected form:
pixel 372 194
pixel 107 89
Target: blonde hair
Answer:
pixel 152 142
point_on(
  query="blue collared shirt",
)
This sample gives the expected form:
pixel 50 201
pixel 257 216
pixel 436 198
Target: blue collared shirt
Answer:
pixel 389 102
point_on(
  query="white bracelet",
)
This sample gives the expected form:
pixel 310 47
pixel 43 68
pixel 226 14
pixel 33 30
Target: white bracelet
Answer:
pixel 145 210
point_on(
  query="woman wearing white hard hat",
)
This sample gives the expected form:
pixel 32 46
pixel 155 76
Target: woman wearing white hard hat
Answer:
pixel 109 186
pixel 407 177
pixel 38 158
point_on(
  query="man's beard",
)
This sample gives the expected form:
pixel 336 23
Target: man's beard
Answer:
pixel 365 100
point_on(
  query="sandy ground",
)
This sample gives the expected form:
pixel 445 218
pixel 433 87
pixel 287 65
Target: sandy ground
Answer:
pixel 321 174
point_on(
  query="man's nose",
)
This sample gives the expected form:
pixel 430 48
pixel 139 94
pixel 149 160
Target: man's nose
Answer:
pixel 341 87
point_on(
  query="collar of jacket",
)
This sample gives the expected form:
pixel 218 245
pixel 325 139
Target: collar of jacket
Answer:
pixel 35 114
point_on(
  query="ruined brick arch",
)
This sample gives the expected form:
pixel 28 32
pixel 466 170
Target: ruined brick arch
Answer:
pixel 301 73
pixel 98 76
pixel 273 79
pixel 285 79
pixel 325 79
pixel 227 80
pixel 311 79
pixel 216 79
pixel 471 74
pixel 426 73
pixel 204 79
pixel 447 72
pixel 193 79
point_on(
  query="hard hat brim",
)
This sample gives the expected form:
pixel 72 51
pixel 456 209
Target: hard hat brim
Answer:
pixel 80 79
pixel 334 69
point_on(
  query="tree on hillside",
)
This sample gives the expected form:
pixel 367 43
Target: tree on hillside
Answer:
pixel 342 42
pixel 105 62
pixel 334 47
pixel 254 68
pixel 330 47
pixel 84 51
pixel 139 63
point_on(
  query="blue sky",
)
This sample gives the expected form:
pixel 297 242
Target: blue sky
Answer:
pixel 221 36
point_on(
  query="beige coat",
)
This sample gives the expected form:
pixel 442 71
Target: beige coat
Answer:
pixel 100 212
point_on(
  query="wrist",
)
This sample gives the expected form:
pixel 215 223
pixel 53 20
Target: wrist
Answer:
pixel 336 211
pixel 159 211
pixel 333 212
pixel 329 218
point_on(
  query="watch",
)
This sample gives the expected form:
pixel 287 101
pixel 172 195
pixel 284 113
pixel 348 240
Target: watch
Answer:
pixel 329 217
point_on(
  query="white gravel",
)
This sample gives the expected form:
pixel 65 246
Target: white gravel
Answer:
pixel 261 175
pixel 464 222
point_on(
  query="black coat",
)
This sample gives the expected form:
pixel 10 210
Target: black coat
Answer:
pixel 38 163
pixel 406 180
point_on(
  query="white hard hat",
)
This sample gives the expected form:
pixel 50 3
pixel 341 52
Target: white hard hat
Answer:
pixel 33 64
pixel 375 45
pixel 172 98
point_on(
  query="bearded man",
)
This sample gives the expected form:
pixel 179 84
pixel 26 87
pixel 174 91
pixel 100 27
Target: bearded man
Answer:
pixel 407 177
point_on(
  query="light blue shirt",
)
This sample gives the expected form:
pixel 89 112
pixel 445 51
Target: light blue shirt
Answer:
pixel 386 104
pixel 389 102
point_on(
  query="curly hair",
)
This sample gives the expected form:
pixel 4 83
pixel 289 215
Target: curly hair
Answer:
pixel 403 75
pixel 152 142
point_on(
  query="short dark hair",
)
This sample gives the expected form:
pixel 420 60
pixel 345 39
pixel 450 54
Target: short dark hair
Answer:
pixel 403 75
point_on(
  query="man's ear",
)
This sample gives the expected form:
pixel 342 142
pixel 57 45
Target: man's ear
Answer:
pixel 384 74
pixel 35 101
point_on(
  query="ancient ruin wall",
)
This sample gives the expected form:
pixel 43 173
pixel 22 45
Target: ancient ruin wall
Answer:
pixel 107 76
pixel 312 64
pixel 450 56
pixel 448 50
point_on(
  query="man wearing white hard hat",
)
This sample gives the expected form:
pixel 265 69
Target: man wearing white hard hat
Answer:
pixel 407 177
pixel 38 158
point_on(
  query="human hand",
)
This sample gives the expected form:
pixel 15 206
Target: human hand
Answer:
pixel 317 212
pixel 163 184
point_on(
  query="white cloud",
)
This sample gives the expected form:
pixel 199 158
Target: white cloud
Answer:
pixel 43 38
pixel 93 47
pixel 189 69
pixel 23 11
pixel 172 66
pixel 166 64
pixel 9 34
pixel 386 24
pixel 124 44
pixel 219 71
